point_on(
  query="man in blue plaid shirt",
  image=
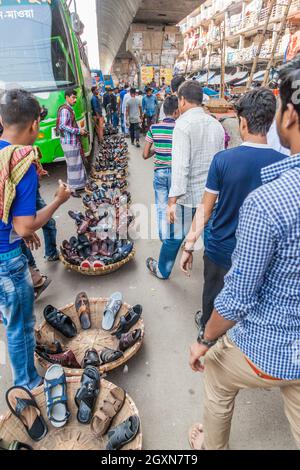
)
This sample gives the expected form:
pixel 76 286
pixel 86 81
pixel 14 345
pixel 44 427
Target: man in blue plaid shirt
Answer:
pixel 253 338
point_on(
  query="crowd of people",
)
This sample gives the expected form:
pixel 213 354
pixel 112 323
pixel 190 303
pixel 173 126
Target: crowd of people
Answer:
pixel 244 202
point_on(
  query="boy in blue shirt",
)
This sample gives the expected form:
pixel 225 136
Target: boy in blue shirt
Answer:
pixel 233 175
pixel 20 116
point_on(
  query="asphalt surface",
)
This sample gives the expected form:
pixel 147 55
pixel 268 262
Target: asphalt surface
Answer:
pixel 166 391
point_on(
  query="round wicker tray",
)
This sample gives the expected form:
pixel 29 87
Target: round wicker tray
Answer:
pixel 95 338
pixel 73 436
pixel 99 271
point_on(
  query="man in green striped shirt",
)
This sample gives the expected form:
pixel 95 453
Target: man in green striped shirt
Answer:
pixel 159 142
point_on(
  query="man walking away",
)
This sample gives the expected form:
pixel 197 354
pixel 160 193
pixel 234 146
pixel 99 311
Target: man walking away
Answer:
pixel 233 175
pixel 19 169
pixel 97 114
pixel 176 83
pixel 150 108
pixel 257 314
pixel 160 136
pixel 70 138
pixel 197 138
pixel 134 117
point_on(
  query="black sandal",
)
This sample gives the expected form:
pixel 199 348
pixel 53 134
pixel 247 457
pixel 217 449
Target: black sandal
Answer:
pixel 23 405
pixel 123 434
pixel 87 395
pixel 60 322
pixel 109 355
pixel 129 320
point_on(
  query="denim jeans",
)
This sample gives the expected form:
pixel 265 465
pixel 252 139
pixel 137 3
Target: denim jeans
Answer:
pixel 162 185
pixel 49 232
pixel 115 119
pixel 16 311
pixel 171 246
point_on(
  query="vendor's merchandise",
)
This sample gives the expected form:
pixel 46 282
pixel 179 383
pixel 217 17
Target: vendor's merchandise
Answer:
pixel 82 306
pixel 55 388
pixel 60 322
pixel 128 321
pixel 23 405
pixel 87 394
pixel 129 339
pixel 123 434
pixel 111 311
pixel 108 410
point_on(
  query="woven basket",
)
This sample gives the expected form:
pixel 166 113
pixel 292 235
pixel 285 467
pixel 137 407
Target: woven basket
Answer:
pixel 218 106
pixel 95 338
pixel 73 436
pixel 99 271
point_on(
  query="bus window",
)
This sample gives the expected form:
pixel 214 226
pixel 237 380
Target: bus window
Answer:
pixel 41 57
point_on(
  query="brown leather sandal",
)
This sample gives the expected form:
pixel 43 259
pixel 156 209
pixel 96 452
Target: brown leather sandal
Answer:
pixel 83 310
pixel 109 409
pixel 129 339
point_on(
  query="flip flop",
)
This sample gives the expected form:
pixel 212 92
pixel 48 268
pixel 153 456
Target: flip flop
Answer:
pixel 130 339
pixel 56 396
pixel 87 394
pixel 109 409
pixel 83 310
pixel 112 309
pixel 123 434
pixel 22 404
pixel 60 322
pixel 196 427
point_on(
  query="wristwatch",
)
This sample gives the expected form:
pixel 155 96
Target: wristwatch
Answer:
pixel 201 340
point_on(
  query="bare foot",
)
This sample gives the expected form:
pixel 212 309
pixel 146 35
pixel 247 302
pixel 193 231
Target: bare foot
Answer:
pixel 196 437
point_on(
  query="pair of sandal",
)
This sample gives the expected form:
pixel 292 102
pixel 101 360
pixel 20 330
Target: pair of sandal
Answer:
pixel 55 389
pixel 92 358
pixel 128 321
pixel 102 421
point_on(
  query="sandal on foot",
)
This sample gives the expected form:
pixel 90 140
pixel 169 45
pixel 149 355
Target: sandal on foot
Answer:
pixel 56 396
pixel 60 322
pixel 129 339
pixel 109 355
pixel 87 394
pixel 83 310
pixel 22 404
pixel 123 434
pixel 91 358
pixel 109 409
pixel 152 265
pixel 112 309
pixel 38 290
pixel 128 321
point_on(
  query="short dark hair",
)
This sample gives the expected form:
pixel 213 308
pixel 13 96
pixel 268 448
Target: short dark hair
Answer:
pixel 192 92
pixel 132 91
pixel 289 79
pixel 19 108
pixel 94 88
pixel 170 105
pixel 176 82
pixel 258 107
pixel 149 89
pixel 70 92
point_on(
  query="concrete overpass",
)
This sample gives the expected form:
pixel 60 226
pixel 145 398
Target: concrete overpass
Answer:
pixel 115 18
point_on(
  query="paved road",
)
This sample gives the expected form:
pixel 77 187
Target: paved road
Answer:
pixel 167 393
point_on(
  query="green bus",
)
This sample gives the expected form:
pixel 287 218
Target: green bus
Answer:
pixel 41 51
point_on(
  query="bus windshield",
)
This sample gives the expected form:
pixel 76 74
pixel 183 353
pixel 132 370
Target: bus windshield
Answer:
pixel 35 47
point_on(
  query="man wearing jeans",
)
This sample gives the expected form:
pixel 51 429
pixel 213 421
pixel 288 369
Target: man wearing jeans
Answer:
pixel 150 108
pixel 19 169
pixel 197 138
pixel 134 117
pixel 252 338
pixel 161 136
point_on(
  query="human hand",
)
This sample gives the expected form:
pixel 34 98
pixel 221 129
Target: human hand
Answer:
pixel 83 132
pixel 186 263
pixel 197 352
pixel 33 242
pixel 171 214
pixel 63 193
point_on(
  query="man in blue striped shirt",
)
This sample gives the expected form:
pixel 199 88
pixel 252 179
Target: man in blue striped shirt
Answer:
pixel 253 337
